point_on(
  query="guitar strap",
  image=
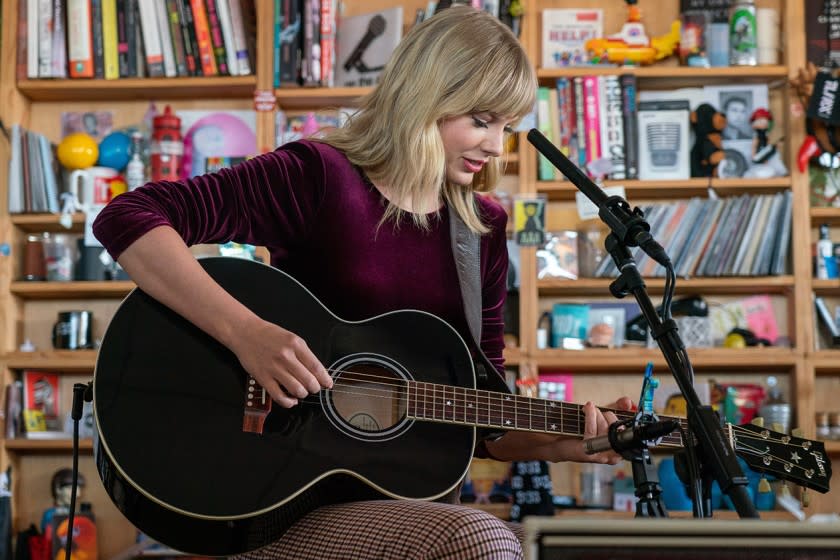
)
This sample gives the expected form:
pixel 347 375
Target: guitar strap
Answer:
pixel 466 249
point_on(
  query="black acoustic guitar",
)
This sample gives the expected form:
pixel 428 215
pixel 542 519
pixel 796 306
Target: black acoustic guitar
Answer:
pixel 190 450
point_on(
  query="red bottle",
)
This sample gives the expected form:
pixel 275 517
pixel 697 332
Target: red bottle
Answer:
pixel 167 147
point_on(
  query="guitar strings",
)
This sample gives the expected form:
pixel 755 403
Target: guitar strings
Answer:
pixel 566 418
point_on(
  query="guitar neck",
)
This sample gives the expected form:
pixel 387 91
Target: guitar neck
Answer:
pixel 488 409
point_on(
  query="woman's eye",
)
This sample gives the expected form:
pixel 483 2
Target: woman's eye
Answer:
pixel 478 122
pixel 509 130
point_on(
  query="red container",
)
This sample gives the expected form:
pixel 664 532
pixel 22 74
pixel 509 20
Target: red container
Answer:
pixel 167 147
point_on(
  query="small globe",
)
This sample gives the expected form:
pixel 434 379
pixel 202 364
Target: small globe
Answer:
pixel 77 151
pixel 115 151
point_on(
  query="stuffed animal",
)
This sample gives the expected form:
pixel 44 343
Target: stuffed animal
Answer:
pixel 707 152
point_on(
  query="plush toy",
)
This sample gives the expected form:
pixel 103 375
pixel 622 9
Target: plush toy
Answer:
pixel 707 152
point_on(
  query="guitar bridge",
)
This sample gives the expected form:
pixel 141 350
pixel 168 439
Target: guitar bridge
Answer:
pixel 257 407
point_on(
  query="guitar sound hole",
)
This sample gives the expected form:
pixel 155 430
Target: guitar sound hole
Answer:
pixel 368 399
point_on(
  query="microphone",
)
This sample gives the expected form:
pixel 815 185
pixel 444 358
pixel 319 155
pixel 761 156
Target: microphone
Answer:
pixel 628 225
pixel 376 27
pixel 629 438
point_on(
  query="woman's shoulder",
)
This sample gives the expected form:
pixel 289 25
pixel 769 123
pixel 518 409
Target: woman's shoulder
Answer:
pixel 491 211
pixel 313 149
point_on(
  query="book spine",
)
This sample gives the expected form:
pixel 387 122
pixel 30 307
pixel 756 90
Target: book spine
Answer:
pixel 592 118
pixel 614 130
pixel 240 43
pixel 31 20
pixel 202 34
pixel 327 43
pixel 79 39
pixel 110 40
pixel 545 169
pixel 278 39
pixel 59 41
pixel 190 42
pixel 631 125
pixel 580 122
pixel 216 38
pixel 98 40
pixel 162 18
pixel 122 39
pixel 174 22
pixel 151 38
pixel 131 37
pixel 290 44
pixel 22 69
pixel 45 25
pixel 223 11
pixel 565 115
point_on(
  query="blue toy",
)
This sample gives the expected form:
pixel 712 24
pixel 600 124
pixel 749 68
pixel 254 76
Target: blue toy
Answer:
pixel 115 151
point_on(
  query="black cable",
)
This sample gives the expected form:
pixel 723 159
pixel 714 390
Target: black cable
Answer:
pixel 81 393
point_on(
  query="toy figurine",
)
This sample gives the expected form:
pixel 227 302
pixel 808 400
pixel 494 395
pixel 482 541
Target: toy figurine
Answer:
pixel 766 161
pixel 707 152
pixel 821 135
pixel 54 523
pixel 632 45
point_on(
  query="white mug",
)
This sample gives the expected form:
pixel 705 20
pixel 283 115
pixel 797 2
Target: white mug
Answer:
pixel 92 186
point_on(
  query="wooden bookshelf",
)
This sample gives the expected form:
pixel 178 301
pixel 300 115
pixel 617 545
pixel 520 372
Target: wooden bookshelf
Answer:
pixel 728 285
pixel 679 188
pixel 133 89
pixel 35 446
pixel 37 223
pixel 667 75
pixel 65 361
pixel 75 290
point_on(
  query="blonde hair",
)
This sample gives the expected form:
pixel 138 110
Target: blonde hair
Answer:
pixel 460 61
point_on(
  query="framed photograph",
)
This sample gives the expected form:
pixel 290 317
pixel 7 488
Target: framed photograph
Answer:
pixel 737 103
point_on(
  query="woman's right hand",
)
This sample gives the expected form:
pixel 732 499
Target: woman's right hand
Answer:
pixel 280 361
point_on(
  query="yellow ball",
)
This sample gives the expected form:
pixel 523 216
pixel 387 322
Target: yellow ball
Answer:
pixel 77 151
pixel 734 340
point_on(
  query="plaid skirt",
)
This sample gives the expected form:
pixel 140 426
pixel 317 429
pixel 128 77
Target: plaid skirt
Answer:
pixel 396 530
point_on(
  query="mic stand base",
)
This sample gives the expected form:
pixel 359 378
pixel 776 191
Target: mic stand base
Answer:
pixel 648 491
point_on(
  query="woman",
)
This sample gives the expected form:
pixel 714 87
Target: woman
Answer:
pixel 360 219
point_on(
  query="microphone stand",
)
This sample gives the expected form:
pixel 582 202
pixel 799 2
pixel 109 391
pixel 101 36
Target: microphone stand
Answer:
pixel 628 229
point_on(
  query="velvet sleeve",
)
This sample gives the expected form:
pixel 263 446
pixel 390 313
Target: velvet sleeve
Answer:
pixel 494 284
pixel 268 200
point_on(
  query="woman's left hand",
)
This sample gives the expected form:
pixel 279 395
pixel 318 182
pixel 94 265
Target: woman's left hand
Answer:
pixel 526 446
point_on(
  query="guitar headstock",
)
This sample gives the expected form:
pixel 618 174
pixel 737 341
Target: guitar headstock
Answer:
pixel 792 458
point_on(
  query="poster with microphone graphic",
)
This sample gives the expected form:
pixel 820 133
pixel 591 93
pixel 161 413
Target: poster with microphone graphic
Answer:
pixel 365 44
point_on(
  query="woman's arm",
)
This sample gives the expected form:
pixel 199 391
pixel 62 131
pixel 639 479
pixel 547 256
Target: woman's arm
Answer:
pixel 528 446
pixel 162 265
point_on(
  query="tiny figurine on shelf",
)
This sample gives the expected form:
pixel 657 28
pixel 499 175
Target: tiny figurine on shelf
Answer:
pixel 707 152
pixel 632 45
pixel 61 488
pixel 54 521
pixel 823 136
pixel 766 161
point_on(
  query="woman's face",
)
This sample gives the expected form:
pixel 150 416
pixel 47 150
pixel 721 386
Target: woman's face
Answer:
pixel 469 141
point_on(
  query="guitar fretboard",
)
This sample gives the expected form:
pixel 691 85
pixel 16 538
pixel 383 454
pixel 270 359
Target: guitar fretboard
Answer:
pixel 473 407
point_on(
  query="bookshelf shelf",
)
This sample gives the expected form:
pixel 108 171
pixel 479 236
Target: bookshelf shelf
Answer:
pixel 830 216
pixel 67 361
pixel 633 360
pixel 318 97
pixel 826 287
pixel 727 285
pixel 32 446
pixel 825 362
pixel 36 223
pixel 71 290
pixel 133 89
pixel 564 190
pixel 832 447
pixel 667 76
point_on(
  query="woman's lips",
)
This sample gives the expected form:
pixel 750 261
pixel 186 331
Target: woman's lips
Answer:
pixel 472 165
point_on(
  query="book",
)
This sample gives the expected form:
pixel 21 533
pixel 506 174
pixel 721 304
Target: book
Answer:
pixel 663 139
pixel 41 400
pixel 364 46
pixel 79 39
pixel 629 119
pixel 826 319
pixel 564 35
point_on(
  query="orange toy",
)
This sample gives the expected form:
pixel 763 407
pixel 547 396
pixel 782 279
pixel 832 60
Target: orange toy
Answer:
pixel 631 45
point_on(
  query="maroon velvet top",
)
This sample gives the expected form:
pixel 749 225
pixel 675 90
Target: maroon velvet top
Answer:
pixel 318 216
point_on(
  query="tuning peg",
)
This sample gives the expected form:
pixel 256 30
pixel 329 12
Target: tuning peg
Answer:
pixel 757 421
pixel 798 432
pixel 805 498
pixel 763 485
pixel 785 491
pixel 776 427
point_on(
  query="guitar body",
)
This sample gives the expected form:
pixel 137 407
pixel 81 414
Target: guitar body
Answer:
pixel 169 403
